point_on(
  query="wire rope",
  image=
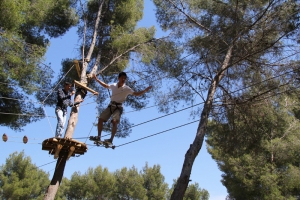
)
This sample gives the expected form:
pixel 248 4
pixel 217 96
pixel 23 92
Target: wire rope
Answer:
pixel 157 133
pixel 58 83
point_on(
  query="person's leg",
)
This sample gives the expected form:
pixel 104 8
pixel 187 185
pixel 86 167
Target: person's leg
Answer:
pixel 60 125
pixel 100 126
pixel 114 129
pixel 115 120
pixel 63 123
pixel 104 116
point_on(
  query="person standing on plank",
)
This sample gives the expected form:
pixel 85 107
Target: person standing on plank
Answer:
pixel 120 91
pixel 63 101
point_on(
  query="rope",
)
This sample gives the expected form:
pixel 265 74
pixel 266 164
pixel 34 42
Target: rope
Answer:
pixel 58 83
pixel 32 115
pixel 20 100
pixel 90 130
pixel 157 133
pixel 48 121
pixel 10 84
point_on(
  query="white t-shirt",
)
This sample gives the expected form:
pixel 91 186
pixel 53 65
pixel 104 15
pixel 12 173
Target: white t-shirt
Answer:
pixel 119 94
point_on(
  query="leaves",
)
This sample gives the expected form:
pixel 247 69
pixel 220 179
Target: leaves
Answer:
pixel 257 149
pixel 20 179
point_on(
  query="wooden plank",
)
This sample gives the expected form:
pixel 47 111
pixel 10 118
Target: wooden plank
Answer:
pixel 85 87
pixel 56 145
pixel 76 63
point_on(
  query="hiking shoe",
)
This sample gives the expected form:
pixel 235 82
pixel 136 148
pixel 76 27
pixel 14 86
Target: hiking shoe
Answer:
pixel 108 141
pixel 95 138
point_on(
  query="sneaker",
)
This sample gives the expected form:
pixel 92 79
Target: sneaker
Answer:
pixel 95 138
pixel 108 141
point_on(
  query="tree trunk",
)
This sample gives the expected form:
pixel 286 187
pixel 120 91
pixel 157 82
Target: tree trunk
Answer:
pixel 194 149
pixel 61 162
pixel 57 176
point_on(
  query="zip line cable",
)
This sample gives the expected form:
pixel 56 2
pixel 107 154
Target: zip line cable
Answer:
pixel 178 126
pixel 158 133
pixel 23 114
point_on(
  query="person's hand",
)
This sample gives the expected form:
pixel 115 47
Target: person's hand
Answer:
pixel 94 76
pixel 95 93
pixel 72 93
pixel 148 88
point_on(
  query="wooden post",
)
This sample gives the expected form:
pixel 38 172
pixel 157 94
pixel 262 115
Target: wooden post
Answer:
pixel 57 177
pixel 57 150
pixel 76 63
pixel 71 151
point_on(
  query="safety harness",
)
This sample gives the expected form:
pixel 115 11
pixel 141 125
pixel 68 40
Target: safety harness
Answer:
pixel 116 105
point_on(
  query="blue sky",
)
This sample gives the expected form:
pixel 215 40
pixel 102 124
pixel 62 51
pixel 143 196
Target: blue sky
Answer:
pixel 167 149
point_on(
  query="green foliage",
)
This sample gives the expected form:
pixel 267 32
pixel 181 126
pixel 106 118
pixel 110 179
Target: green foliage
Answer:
pixel 94 184
pixel 117 32
pixel 24 27
pixel 122 184
pixel 154 182
pixel 258 31
pixel 20 179
pixel 193 192
pixel 129 184
pixel 257 149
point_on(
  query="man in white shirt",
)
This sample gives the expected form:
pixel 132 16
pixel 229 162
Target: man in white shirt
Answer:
pixel 120 91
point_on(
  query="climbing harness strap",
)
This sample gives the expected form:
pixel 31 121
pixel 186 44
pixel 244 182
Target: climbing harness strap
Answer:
pixel 116 105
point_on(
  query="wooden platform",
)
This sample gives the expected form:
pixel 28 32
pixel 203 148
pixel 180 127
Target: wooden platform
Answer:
pixel 55 145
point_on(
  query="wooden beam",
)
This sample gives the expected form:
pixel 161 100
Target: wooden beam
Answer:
pixel 57 150
pixel 76 63
pixel 85 87
pixel 71 151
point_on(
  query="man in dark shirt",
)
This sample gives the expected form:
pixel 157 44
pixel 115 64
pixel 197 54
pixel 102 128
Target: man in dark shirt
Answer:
pixel 63 101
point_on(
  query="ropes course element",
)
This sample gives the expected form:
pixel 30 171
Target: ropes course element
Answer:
pixel 90 130
pixel 22 114
pixel 58 84
pixel 158 133
pixel 48 120
pixel 33 87
pixel 57 145
pixel 8 98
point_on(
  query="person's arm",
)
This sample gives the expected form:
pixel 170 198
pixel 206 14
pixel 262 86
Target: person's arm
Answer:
pixel 61 95
pixel 142 92
pixel 101 82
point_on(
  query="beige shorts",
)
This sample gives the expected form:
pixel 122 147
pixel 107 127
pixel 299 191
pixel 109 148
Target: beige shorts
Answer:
pixel 113 112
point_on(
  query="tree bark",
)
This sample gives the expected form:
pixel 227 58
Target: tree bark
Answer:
pixel 57 176
pixel 93 43
pixel 61 162
pixel 195 148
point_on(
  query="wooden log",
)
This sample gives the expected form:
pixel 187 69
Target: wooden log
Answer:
pixel 76 63
pixel 71 151
pixel 85 87
pixel 57 150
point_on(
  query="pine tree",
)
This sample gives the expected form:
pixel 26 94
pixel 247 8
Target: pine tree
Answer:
pixel 257 149
pixel 25 29
pixel 129 184
pixel 212 49
pixel 20 179
pixel 154 182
